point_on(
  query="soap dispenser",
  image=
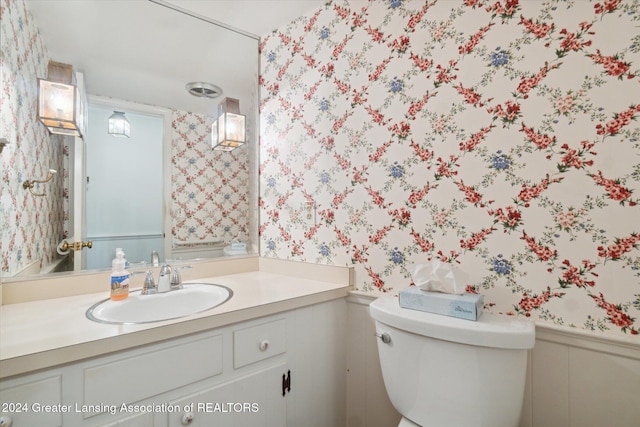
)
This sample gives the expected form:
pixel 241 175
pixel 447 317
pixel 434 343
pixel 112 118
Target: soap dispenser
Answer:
pixel 119 278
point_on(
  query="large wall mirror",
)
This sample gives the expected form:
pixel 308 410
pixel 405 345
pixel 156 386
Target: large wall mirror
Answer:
pixel 183 200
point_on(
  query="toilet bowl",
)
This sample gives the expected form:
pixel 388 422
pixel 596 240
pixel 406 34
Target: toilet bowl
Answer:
pixel 442 371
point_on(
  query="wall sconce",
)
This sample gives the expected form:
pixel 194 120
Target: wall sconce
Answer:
pixel 119 125
pixel 59 104
pixel 28 184
pixel 228 131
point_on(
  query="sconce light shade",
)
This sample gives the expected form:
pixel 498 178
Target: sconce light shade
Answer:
pixel 59 104
pixel 119 125
pixel 228 131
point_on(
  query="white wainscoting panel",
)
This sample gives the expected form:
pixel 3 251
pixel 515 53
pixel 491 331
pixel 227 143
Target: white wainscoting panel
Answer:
pixel 367 402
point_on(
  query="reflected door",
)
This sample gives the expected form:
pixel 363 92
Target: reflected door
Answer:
pixel 77 161
pixel 124 188
pixel 76 168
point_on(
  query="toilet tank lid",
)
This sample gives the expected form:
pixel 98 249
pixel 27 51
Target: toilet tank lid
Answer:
pixel 490 330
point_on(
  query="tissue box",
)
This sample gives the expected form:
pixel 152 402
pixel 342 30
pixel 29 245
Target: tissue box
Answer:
pixel 238 246
pixel 465 306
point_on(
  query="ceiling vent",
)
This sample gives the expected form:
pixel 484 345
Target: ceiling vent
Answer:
pixel 204 90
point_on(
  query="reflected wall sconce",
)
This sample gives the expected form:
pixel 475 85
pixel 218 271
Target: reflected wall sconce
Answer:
pixel 119 126
pixel 59 104
pixel 228 131
pixel 28 184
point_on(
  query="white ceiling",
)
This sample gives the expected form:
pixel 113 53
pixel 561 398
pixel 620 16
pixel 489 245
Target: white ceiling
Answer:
pixel 258 17
pixel 140 51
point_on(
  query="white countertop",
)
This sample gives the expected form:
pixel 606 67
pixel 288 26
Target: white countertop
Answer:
pixel 41 334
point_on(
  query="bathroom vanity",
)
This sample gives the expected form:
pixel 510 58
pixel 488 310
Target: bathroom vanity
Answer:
pixel 272 355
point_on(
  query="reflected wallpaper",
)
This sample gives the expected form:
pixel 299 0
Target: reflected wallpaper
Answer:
pixel 501 136
pixel 209 199
pixel 210 189
pixel 30 227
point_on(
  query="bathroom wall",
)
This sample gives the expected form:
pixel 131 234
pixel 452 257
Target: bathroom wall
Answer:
pixel 501 136
pixel 31 227
pixel 209 195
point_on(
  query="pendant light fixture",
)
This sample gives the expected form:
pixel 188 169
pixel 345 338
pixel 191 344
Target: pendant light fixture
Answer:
pixel 59 103
pixel 119 126
pixel 228 131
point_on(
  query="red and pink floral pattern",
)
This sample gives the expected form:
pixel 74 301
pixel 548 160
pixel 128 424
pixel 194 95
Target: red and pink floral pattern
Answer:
pixel 499 135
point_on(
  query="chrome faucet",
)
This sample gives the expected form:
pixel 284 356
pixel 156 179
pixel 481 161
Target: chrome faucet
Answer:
pixel 169 280
pixel 149 284
pixel 176 280
pixel 164 281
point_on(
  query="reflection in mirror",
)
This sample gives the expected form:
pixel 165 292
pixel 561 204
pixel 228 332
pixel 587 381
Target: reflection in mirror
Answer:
pixel 124 187
pixel 135 57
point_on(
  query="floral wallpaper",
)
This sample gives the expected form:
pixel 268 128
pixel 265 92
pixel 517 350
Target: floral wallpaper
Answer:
pixel 209 188
pixel 501 136
pixel 31 227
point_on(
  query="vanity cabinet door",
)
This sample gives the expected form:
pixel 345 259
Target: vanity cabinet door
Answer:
pixel 156 369
pixel 140 420
pixel 251 400
pixel 33 403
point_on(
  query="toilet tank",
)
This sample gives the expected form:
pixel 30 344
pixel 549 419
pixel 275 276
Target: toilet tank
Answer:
pixel 446 371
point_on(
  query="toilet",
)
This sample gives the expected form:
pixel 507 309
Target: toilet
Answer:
pixel 442 371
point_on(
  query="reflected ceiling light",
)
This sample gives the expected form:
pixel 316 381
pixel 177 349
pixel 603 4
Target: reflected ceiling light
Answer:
pixel 228 131
pixel 119 125
pixel 59 104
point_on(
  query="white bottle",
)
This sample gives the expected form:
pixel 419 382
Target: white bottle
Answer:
pixel 124 256
pixel 119 278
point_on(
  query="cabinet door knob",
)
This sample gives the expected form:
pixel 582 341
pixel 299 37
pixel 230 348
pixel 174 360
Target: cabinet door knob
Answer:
pixel 187 418
pixel 264 345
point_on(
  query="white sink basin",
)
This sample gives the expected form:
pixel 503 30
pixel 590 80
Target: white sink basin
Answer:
pixel 192 298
